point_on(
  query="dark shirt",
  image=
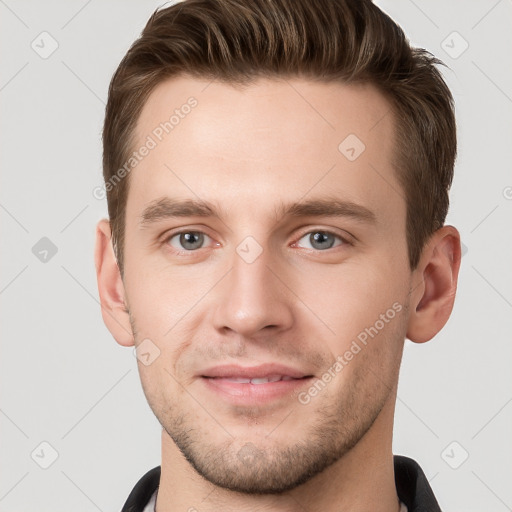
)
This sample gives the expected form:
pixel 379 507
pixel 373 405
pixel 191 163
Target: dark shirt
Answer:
pixel 411 483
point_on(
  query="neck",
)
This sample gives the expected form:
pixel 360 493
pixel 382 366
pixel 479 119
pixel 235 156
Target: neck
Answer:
pixel 363 479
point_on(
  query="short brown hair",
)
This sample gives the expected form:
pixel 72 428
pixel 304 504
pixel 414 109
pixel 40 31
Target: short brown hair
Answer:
pixel 238 41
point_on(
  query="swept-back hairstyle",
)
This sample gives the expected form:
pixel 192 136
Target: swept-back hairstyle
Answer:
pixel 239 41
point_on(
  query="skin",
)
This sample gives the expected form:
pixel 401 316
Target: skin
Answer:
pixel 300 304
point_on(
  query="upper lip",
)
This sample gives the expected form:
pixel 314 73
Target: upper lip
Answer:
pixel 253 372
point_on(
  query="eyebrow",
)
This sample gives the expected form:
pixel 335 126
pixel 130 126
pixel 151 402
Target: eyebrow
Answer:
pixel 168 208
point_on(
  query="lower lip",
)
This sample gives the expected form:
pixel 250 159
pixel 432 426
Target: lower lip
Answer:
pixel 254 394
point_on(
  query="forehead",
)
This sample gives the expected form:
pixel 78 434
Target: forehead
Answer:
pixel 331 107
pixel 272 138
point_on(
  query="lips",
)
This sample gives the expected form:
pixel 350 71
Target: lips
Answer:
pixel 255 386
pixel 262 374
pixel 257 380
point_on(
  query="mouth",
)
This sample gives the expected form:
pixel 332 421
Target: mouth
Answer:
pixel 258 380
pixel 261 374
pixel 255 385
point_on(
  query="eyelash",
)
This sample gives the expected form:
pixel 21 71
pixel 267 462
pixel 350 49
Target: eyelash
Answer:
pixel 168 237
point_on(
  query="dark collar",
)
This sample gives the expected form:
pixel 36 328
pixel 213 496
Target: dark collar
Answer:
pixel 412 488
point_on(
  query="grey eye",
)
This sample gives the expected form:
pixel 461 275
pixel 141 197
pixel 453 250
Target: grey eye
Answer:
pixel 321 240
pixel 188 240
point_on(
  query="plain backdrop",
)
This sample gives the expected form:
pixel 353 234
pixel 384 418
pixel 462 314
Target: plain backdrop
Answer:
pixel 71 398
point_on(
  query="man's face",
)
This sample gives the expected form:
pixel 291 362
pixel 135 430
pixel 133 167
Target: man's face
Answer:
pixel 251 285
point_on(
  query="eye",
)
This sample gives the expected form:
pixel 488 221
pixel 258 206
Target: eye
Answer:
pixel 321 240
pixel 187 240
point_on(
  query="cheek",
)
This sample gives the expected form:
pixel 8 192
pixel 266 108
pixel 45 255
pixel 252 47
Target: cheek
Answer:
pixel 160 297
pixel 160 388
pixel 367 363
pixel 345 299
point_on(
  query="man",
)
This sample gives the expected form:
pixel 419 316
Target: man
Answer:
pixel 277 177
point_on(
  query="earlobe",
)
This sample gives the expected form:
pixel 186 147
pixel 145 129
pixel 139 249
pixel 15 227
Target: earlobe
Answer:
pixel 434 285
pixel 111 287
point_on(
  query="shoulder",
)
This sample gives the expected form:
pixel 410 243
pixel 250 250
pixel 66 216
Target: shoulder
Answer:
pixel 142 492
pixel 412 486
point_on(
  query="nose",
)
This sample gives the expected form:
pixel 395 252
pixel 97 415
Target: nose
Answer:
pixel 253 297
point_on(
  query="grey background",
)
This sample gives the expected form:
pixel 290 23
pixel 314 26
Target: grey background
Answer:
pixel 65 381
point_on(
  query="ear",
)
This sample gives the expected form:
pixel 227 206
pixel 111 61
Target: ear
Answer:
pixel 111 287
pixel 434 284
